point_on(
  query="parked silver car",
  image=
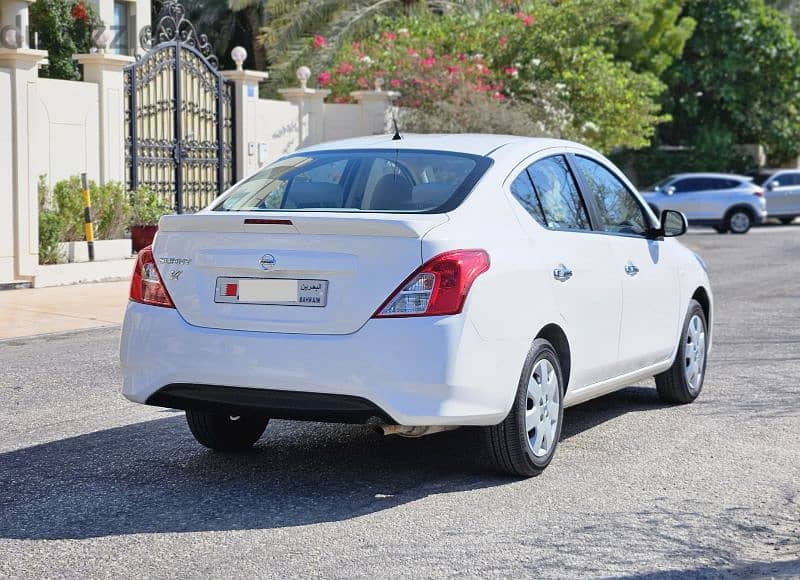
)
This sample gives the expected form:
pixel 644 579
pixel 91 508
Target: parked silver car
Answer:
pixel 782 188
pixel 725 201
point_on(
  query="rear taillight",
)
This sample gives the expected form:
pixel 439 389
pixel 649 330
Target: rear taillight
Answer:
pixel 146 285
pixel 439 287
pixel 759 193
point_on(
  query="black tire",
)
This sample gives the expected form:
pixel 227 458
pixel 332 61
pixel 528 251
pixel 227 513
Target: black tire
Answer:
pixel 739 220
pixel 224 432
pixel 509 444
pixel 787 220
pixel 721 229
pixel 673 385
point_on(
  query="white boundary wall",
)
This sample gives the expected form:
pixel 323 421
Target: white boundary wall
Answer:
pixel 342 121
pixel 6 182
pixel 276 131
pixel 64 120
pixel 61 128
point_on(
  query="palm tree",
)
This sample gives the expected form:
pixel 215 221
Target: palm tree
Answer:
pixel 225 29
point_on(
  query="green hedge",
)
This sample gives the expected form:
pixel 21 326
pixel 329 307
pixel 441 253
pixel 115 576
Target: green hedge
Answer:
pixel 111 209
pixel 114 211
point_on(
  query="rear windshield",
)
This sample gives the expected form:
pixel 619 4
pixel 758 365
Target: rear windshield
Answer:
pixel 382 180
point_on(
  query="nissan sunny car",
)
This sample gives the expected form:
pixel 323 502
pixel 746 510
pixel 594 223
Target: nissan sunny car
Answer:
pixel 419 284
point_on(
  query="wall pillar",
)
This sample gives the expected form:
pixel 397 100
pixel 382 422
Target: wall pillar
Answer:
pixel 376 110
pixel 310 113
pixel 245 99
pixel 22 64
pixel 105 70
pixel 14 16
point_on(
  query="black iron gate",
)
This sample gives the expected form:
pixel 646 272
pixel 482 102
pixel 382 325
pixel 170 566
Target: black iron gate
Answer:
pixel 179 115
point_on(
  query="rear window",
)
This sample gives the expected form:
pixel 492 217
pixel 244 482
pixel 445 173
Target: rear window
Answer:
pixel 376 180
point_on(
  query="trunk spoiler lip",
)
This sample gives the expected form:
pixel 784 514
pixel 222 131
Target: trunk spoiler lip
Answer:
pixel 323 223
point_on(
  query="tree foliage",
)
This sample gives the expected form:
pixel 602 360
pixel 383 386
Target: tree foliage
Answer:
pixel 652 33
pixel 563 50
pixel 789 7
pixel 739 78
pixel 65 28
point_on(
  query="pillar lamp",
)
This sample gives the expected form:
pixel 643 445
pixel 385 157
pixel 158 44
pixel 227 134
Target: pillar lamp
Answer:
pixel 239 55
pixel 303 74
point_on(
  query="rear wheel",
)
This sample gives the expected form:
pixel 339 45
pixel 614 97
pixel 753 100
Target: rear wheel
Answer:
pixel 739 221
pixel 787 220
pixel 224 432
pixel 721 229
pixel 683 381
pixel 524 443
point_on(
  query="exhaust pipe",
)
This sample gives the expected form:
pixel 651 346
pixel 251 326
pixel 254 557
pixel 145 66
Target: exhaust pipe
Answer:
pixel 416 430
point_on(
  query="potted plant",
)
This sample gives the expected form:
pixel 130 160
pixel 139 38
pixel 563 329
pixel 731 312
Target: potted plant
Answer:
pixel 147 208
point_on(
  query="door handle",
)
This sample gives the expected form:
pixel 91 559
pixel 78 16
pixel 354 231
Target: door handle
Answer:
pixel 562 273
pixel 631 269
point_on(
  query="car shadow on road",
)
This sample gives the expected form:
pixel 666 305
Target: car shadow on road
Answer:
pixel 581 418
pixel 151 477
pixel 766 569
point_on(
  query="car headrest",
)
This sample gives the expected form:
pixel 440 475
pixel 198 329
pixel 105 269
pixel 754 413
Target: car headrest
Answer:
pixel 310 194
pixel 392 191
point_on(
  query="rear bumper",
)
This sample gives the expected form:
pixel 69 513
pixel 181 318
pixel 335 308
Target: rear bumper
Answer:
pixel 268 402
pixel 413 371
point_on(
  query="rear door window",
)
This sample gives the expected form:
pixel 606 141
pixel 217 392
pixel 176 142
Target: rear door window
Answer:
pixel 522 189
pixel 716 183
pixel 690 184
pixel 557 192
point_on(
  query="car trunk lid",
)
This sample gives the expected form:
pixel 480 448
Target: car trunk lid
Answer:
pixel 220 268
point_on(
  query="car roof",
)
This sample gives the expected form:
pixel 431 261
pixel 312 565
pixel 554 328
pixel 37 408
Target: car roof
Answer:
pixel 715 175
pixel 774 171
pixel 471 143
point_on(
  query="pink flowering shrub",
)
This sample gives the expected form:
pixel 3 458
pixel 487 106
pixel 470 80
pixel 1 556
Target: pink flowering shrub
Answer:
pixel 548 61
pixel 422 73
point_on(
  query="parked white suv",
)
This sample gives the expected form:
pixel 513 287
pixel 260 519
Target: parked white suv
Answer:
pixel 782 188
pixel 428 282
pixel 728 202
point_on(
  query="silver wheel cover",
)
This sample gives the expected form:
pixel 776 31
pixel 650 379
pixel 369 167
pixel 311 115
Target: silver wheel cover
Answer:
pixel 541 414
pixel 740 221
pixel 694 351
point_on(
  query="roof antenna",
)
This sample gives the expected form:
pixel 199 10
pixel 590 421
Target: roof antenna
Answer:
pixel 396 136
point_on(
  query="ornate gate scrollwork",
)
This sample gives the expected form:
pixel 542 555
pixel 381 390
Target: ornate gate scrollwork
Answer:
pixel 179 115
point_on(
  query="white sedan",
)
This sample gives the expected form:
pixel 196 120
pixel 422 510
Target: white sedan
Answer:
pixel 421 284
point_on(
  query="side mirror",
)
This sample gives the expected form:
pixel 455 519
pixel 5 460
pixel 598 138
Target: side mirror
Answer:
pixel 669 190
pixel 773 185
pixel 673 223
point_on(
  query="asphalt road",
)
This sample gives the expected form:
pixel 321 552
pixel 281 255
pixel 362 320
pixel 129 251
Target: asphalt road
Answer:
pixel 91 485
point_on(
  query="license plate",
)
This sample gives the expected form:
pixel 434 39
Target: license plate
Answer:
pixel 277 291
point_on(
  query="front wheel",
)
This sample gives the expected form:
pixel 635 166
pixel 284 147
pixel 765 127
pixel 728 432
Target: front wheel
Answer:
pixel 225 432
pixel 739 221
pixel 787 220
pixel 524 443
pixel 683 381
pixel 721 229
